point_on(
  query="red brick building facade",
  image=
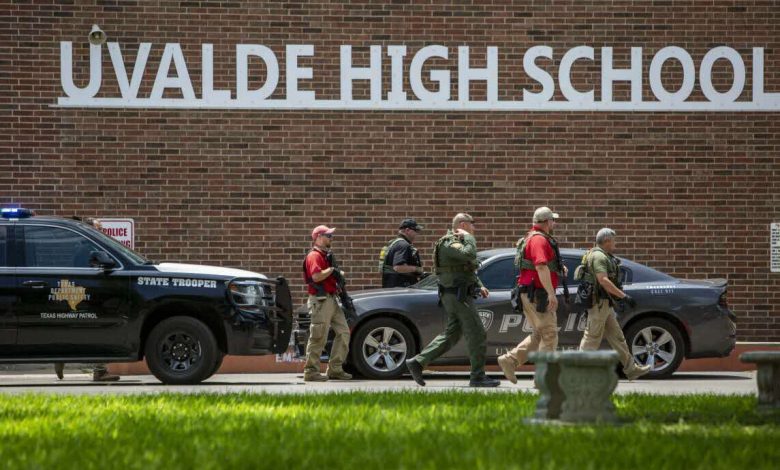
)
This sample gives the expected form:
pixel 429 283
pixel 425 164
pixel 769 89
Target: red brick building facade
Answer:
pixel 691 193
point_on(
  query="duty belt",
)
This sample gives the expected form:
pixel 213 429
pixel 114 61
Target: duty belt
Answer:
pixel 454 269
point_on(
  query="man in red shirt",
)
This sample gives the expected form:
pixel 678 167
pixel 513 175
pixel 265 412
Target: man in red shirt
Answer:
pixel 324 311
pixel 540 267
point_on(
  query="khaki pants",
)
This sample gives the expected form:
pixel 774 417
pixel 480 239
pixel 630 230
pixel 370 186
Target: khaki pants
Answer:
pixel 602 324
pixel 544 336
pixel 325 314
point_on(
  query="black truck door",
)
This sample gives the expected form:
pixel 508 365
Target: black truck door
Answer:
pixel 67 308
pixel 7 294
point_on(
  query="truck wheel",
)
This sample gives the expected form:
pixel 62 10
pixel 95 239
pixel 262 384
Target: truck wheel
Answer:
pixel 380 347
pixel 218 364
pixel 657 342
pixel 181 350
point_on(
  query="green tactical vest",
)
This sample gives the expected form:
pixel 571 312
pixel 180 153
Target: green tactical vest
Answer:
pixel 438 268
pixel 522 262
pixel 384 266
pixel 584 271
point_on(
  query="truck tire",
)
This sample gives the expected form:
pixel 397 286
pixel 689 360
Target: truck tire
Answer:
pixel 181 350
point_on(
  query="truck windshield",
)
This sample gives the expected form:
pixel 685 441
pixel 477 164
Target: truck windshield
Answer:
pixel 113 243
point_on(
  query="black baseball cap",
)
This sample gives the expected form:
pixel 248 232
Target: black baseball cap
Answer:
pixel 410 223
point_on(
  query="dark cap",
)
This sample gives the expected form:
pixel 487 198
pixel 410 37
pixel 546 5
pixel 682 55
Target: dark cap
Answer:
pixel 410 223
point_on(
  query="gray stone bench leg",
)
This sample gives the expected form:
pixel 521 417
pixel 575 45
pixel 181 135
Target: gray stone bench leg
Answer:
pixel 546 378
pixel 768 377
pixel 575 386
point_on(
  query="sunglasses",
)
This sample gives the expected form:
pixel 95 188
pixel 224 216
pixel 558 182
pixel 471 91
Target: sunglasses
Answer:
pixel 327 235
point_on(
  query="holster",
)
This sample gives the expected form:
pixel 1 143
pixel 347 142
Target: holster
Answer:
pixel 541 300
pixel 462 291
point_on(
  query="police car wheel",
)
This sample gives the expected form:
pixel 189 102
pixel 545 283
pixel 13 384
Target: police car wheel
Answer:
pixel 181 350
pixel 380 348
pixel 657 342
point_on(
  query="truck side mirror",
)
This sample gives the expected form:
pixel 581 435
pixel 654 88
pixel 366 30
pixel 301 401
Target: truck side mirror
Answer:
pixel 101 259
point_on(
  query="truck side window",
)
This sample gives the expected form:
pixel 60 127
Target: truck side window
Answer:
pixel 53 247
pixel 3 247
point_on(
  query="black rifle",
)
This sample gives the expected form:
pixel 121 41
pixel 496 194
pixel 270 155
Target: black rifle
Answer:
pixel 346 301
pixel 561 274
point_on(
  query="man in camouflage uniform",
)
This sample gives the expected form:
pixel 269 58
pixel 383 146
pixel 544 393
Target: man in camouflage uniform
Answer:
pixel 602 270
pixel 455 262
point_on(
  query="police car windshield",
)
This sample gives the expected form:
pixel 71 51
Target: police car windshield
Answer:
pixel 113 243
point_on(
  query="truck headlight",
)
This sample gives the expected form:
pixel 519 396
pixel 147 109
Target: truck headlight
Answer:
pixel 247 294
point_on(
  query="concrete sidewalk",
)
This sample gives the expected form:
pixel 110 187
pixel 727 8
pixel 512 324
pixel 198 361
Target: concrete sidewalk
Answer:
pixel 723 383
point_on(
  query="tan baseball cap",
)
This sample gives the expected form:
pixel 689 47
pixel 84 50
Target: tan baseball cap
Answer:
pixel 544 214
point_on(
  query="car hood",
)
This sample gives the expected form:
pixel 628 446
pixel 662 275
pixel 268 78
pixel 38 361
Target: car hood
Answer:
pixel 202 269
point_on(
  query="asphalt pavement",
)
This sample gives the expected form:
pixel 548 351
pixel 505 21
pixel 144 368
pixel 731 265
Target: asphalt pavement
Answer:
pixel 724 383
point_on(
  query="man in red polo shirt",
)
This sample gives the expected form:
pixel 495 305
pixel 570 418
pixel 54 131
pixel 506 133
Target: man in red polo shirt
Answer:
pixel 540 267
pixel 324 311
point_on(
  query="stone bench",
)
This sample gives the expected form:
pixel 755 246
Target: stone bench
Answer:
pixel 575 386
pixel 768 378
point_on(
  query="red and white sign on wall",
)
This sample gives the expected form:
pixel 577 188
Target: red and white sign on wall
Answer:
pixel 122 230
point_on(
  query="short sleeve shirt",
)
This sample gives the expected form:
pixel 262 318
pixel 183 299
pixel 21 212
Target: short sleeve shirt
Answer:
pixel 317 261
pixel 402 252
pixel 539 251
pixel 601 263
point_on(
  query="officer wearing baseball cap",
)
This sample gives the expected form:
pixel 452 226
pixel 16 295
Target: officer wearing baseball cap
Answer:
pixel 541 268
pixel 399 260
pixel 324 311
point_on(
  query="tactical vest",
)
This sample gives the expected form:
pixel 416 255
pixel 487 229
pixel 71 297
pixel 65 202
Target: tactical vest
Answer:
pixel 456 268
pixel 555 265
pixel 386 267
pixel 584 272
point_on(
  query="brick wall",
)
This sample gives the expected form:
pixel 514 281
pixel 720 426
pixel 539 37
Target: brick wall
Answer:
pixel 691 194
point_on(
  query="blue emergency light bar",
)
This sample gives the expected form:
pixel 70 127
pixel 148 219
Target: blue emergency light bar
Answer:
pixel 15 213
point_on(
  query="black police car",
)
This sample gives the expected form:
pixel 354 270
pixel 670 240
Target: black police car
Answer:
pixel 69 293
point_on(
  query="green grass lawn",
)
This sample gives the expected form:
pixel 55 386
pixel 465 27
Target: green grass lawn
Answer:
pixel 377 431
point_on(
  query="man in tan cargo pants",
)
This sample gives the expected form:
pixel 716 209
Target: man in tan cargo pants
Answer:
pixel 602 269
pixel 324 310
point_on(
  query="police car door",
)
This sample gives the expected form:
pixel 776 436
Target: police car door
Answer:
pixel 7 293
pixel 67 309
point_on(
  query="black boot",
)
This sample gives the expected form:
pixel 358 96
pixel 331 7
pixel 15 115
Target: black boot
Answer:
pixel 416 370
pixel 484 381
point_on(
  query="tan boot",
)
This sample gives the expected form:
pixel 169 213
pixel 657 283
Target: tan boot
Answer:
pixel 316 377
pixel 339 375
pixel 634 371
pixel 507 365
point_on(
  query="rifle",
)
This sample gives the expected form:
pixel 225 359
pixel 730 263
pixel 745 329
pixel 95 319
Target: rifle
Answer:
pixel 346 301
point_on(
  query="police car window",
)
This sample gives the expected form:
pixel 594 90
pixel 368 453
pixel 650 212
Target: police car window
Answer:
pixel 3 247
pixel 500 274
pixel 54 247
pixel 571 264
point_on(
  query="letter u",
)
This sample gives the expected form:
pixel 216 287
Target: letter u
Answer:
pixel 66 71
